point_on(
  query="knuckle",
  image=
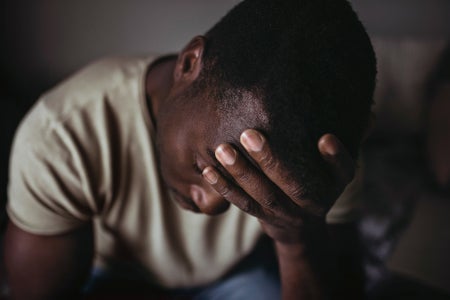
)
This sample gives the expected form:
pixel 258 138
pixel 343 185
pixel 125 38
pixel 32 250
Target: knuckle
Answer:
pixel 270 204
pixel 270 201
pixel 268 161
pixel 224 190
pixel 296 192
pixel 242 176
pixel 246 206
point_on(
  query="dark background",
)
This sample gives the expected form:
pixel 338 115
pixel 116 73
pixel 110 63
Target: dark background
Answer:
pixel 42 42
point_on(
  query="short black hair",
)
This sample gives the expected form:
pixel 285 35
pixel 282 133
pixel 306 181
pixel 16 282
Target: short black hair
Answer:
pixel 312 64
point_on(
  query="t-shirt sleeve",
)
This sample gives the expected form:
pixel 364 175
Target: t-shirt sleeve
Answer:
pixel 47 190
pixel 347 207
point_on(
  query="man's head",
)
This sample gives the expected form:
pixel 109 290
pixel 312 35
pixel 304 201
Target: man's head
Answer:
pixel 293 69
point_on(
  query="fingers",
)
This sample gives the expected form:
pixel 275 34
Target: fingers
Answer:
pixel 248 177
pixel 272 189
pixel 331 149
pixel 231 192
pixel 334 152
pixel 251 190
pixel 259 150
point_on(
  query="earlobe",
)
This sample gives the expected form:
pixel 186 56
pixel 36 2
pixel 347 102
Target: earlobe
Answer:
pixel 189 62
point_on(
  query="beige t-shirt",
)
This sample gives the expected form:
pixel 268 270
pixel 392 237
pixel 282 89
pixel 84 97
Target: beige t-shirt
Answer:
pixel 86 152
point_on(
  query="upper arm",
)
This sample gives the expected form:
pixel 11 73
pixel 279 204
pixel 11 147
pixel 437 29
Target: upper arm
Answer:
pixel 52 186
pixel 47 267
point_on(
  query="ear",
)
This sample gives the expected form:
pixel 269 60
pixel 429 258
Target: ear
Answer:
pixel 189 62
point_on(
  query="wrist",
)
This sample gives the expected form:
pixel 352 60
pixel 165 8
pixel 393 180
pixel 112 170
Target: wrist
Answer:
pixel 311 234
pixel 290 250
pixel 304 269
pixel 307 266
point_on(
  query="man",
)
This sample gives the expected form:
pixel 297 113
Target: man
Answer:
pixel 237 126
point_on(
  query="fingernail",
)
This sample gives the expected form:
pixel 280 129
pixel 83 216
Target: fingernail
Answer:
pixel 328 146
pixel 226 155
pixel 210 175
pixel 331 150
pixel 252 140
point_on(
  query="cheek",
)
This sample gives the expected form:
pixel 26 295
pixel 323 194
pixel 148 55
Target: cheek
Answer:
pixel 166 162
pixel 174 169
pixel 168 169
pixel 208 200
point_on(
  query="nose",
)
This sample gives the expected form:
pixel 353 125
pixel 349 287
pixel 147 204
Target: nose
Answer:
pixel 208 200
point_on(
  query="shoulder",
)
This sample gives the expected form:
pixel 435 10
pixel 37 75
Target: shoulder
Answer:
pixel 68 118
pixel 95 82
pixel 81 99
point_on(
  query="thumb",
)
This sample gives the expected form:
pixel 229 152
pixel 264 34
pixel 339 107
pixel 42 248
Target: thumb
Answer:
pixel 340 161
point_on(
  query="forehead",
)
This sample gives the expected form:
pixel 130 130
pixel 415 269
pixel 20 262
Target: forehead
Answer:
pixel 206 122
pixel 247 111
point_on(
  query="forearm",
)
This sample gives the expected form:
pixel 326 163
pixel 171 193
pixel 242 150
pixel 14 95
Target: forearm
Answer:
pixel 297 224
pixel 47 267
pixel 307 268
pixel 325 265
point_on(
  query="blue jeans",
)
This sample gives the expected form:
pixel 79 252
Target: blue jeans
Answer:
pixel 257 282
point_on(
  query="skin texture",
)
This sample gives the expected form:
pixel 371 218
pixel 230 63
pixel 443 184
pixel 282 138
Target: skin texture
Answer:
pixel 308 264
pixel 209 166
pixel 47 267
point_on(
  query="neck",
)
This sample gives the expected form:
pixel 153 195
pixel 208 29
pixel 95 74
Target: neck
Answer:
pixel 158 83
